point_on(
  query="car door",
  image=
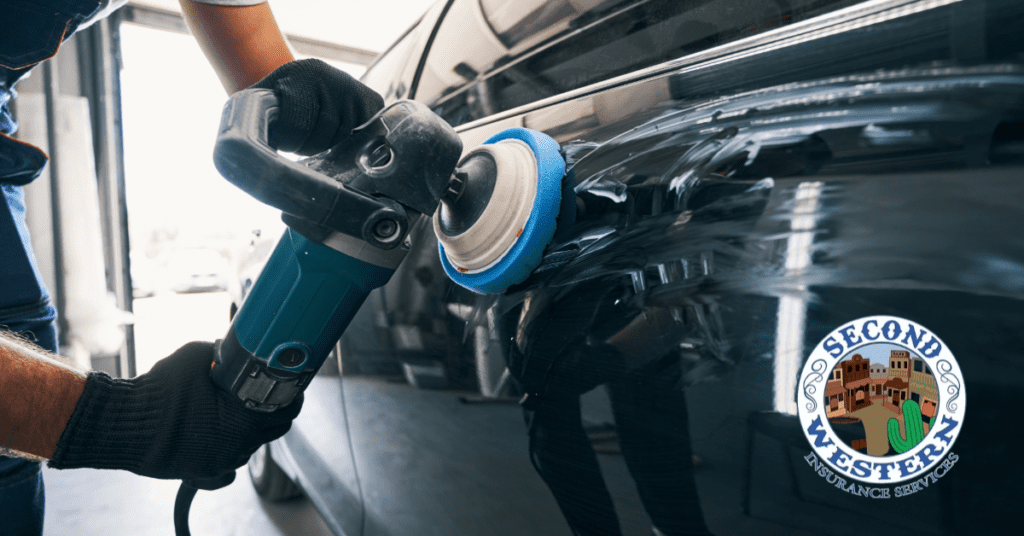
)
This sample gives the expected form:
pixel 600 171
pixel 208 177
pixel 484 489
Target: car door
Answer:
pixel 750 177
pixel 317 452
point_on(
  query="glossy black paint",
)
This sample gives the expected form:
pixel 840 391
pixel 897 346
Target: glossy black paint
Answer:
pixel 734 206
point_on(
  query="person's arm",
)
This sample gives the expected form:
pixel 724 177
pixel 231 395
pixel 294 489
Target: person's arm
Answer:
pixel 38 394
pixel 242 43
pixel 319 105
pixel 171 422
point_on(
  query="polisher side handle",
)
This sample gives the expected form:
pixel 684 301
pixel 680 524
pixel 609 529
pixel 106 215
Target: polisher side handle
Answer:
pixel 244 155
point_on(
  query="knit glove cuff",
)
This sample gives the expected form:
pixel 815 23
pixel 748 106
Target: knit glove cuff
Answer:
pixel 172 422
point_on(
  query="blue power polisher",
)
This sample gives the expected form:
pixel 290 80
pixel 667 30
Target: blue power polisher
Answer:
pixel 349 211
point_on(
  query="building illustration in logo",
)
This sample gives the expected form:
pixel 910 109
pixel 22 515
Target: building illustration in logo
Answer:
pixel 923 389
pixel 882 400
pixel 879 375
pixel 852 382
pixel 872 391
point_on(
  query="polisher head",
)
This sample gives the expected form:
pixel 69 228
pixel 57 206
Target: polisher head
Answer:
pixel 492 234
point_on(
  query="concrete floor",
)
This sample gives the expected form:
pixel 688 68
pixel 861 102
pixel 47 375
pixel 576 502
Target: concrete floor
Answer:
pixel 88 502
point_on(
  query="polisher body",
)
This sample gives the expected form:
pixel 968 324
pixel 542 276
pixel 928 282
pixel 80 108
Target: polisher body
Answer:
pixel 348 212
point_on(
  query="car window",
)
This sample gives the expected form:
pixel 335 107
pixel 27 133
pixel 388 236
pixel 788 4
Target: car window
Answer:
pixel 387 73
pixel 523 22
pixel 494 55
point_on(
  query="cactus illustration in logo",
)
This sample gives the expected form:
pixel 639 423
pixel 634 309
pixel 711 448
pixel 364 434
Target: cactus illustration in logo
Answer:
pixel 913 426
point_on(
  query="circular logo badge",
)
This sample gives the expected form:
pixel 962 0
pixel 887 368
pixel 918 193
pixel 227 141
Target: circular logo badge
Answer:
pixel 881 400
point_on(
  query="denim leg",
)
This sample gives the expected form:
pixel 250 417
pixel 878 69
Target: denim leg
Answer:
pixel 25 309
pixel 22 500
pixel 24 303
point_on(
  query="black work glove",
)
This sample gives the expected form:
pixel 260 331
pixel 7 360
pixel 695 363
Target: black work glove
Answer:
pixel 171 422
pixel 320 106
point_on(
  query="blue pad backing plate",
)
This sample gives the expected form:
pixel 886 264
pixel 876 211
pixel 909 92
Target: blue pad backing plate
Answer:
pixel 528 250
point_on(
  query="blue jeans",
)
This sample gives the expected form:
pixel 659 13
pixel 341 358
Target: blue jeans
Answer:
pixel 30 32
pixel 21 497
pixel 24 308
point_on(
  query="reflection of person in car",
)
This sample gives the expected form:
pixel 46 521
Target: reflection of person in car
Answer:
pixel 555 365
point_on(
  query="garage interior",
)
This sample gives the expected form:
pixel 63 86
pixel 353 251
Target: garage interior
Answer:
pixel 768 213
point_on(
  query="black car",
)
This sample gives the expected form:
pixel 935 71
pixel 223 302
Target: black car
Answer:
pixel 798 250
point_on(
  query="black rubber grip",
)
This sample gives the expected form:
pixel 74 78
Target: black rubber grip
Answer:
pixel 243 155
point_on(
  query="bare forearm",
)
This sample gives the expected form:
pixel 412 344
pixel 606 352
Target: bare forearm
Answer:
pixel 38 394
pixel 243 43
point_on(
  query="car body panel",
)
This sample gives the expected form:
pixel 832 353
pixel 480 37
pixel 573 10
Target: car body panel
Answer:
pixel 737 205
pixel 422 448
pixel 316 454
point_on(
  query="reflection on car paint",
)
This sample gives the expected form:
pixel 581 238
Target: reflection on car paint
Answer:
pixel 634 300
pixel 723 230
pixel 945 105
